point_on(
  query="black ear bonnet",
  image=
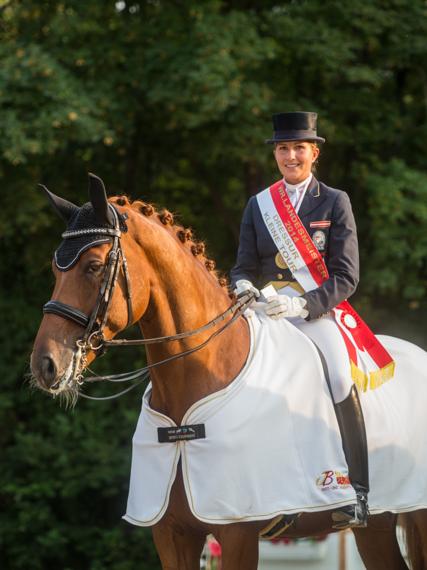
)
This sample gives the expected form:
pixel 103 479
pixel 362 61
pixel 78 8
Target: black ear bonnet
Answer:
pixel 71 248
pixel 96 222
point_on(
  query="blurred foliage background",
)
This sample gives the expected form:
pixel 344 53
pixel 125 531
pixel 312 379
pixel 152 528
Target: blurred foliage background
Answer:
pixel 170 101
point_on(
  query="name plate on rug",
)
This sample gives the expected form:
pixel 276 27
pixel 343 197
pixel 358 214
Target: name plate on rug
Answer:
pixel 181 433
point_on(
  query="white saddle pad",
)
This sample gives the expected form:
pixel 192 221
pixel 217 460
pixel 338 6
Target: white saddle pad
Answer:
pixel 272 442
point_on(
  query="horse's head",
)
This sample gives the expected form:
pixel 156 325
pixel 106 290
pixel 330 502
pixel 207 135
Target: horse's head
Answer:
pixel 92 298
pixel 120 262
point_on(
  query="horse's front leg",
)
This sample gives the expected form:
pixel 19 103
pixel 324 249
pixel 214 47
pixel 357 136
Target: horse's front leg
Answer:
pixel 178 536
pixel 178 548
pixel 239 545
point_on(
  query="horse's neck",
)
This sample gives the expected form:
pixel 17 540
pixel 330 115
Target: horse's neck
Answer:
pixel 183 297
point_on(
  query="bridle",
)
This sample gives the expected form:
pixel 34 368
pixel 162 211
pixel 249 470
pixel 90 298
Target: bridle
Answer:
pixel 94 324
pixel 93 338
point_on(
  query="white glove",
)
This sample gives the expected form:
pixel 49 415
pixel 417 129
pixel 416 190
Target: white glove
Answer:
pixel 245 286
pixel 281 306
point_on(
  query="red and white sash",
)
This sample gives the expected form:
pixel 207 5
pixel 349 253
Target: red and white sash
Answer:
pixel 371 364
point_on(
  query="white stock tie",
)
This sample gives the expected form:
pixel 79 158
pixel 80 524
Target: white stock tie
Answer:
pixel 296 191
pixel 293 194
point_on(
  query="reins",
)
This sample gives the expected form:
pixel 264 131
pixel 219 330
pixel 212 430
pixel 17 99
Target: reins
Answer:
pixel 143 373
pixel 179 336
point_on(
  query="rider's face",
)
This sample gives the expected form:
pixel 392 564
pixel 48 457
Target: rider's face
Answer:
pixel 295 159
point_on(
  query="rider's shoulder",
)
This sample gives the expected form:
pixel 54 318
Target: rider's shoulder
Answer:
pixel 331 191
pixel 339 197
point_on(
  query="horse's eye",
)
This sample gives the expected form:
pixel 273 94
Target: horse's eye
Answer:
pixel 95 268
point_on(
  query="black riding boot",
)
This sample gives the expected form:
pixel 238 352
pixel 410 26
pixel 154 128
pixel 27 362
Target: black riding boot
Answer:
pixel 352 427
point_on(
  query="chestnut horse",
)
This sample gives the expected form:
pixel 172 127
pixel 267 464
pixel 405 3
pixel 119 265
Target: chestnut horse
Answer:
pixel 173 288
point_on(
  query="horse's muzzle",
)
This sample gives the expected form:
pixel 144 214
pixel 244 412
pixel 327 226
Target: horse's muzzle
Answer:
pixel 51 372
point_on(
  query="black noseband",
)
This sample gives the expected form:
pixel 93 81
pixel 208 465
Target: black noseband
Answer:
pixel 67 312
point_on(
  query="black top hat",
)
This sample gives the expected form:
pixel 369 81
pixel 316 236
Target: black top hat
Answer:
pixel 300 126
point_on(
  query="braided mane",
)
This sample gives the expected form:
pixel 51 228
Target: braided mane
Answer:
pixel 184 235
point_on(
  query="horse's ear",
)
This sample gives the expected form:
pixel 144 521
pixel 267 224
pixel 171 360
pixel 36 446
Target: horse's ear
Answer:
pixel 63 207
pixel 98 197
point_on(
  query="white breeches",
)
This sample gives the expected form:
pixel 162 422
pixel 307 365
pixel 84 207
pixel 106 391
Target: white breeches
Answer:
pixel 325 334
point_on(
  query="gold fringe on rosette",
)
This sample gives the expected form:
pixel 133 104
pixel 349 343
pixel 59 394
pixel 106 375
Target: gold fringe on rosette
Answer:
pixel 374 379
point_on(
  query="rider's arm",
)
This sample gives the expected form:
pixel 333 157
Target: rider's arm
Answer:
pixel 342 261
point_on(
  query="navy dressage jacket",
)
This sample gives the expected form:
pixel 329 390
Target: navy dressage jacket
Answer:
pixel 256 257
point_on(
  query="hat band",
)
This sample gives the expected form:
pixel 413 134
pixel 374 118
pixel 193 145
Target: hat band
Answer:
pixel 294 135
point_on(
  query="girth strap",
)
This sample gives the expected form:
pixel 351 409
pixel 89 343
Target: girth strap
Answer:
pixel 66 311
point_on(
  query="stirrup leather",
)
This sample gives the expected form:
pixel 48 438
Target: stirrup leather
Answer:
pixel 352 516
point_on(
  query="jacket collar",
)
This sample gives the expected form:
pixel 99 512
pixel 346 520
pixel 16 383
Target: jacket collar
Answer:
pixel 312 199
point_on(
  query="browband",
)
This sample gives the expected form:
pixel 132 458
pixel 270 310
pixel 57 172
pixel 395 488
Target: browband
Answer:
pixel 89 231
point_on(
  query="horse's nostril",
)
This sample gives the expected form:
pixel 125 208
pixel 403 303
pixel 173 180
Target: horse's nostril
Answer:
pixel 48 370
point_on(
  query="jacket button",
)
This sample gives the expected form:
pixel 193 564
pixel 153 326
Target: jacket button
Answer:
pixel 279 276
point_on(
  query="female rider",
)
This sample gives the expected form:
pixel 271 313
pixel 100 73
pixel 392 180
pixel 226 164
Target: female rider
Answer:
pixel 327 216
